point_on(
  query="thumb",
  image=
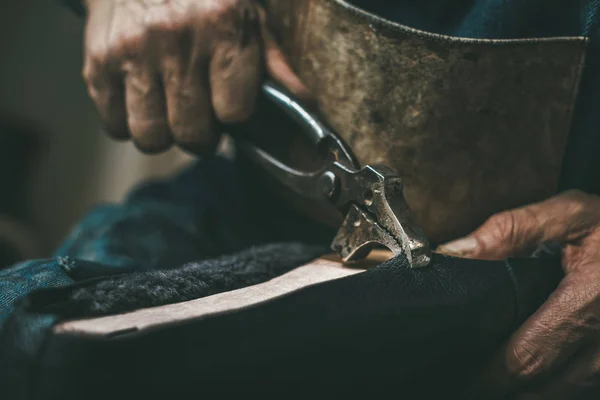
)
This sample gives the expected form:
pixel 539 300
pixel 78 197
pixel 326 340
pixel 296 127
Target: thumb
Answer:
pixel 563 219
pixel 277 64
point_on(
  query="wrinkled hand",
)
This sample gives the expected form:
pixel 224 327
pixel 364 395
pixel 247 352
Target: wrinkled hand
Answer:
pixel 556 353
pixel 164 71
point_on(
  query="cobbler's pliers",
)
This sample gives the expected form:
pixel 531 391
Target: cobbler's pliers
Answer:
pixel 371 197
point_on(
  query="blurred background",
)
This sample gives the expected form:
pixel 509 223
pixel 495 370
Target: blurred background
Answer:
pixel 55 163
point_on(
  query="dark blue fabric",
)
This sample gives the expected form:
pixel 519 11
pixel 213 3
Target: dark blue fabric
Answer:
pixel 511 19
pixel 212 209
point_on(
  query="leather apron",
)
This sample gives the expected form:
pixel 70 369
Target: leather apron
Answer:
pixel 473 126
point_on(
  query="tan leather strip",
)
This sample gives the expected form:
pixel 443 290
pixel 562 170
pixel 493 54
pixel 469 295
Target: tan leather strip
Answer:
pixel 319 271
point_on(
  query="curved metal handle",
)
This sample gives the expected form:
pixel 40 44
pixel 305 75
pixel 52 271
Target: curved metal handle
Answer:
pixel 313 127
pixel 309 184
pixel 316 131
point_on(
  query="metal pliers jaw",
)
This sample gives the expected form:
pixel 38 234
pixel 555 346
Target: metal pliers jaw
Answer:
pixel 371 197
pixel 377 214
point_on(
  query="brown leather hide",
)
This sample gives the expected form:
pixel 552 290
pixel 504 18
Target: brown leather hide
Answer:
pixel 473 126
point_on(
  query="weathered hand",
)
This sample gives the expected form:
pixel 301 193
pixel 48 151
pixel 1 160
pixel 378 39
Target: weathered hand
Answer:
pixel 556 353
pixel 164 71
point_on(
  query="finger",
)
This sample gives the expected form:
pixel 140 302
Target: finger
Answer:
pixel 103 76
pixel 106 91
pixel 235 72
pixel 544 343
pixel 277 64
pixel 564 219
pixel 146 110
pixel 190 115
pixel 581 379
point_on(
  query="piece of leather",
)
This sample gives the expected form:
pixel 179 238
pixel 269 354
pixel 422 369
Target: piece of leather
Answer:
pixel 473 126
pixel 388 331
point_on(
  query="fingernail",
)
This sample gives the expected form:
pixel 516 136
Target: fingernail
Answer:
pixel 460 247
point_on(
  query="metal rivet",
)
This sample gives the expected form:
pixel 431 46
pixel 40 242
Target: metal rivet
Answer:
pixel 329 183
pixel 368 197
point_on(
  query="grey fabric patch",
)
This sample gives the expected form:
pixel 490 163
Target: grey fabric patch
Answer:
pixel 473 126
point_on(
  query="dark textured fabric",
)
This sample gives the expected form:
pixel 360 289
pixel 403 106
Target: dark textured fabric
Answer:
pixel 130 292
pixel 388 331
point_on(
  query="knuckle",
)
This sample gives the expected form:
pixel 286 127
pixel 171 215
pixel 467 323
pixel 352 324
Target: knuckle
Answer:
pixel 88 73
pixel 134 43
pixel 503 225
pixel 92 77
pixel 578 203
pixel 576 207
pixel 98 55
pixel 168 23
pixel 523 363
pixel 130 46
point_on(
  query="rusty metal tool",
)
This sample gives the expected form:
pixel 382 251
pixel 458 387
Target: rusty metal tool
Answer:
pixel 370 197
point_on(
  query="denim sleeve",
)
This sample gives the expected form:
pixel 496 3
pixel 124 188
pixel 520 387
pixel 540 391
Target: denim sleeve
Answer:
pixel 161 225
pixel 23 278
